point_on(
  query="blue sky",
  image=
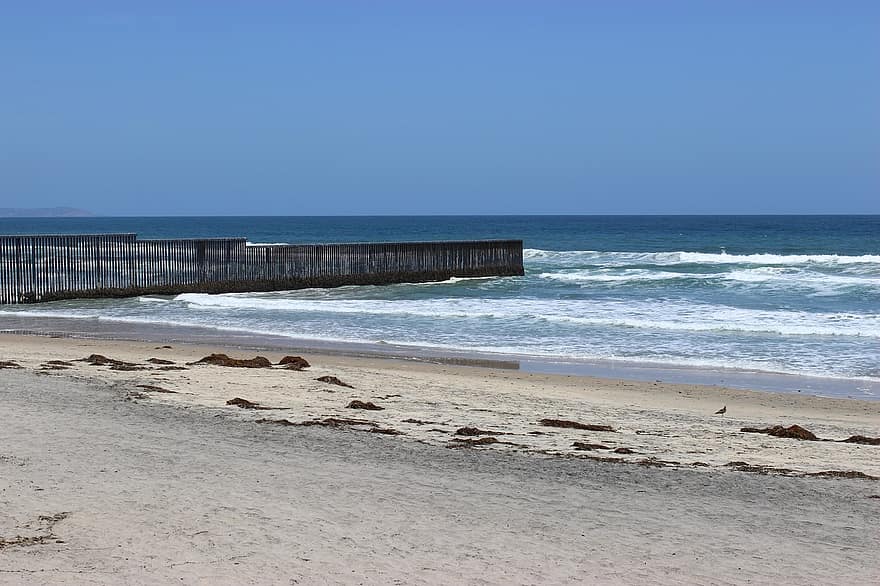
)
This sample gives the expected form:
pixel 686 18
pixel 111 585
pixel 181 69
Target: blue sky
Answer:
pixel 418 107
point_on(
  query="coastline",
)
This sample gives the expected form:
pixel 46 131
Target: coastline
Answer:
pixel 107 480
pixel 767 381
pixel 657 423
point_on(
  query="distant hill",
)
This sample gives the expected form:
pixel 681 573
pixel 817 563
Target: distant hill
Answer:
pixel 44 213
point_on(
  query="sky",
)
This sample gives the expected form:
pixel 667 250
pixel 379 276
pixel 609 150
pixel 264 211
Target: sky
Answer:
pixel 428 107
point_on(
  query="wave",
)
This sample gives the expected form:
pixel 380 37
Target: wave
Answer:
pixel 443 308
pixel 777 259
pixel 656 315
pixel 799 277
pixel 667 331
pixel 577 354
pixel 588 276
pixel 774 277
pixel 722 325
pixel 614 258
pixel 449 281
pixel 523 348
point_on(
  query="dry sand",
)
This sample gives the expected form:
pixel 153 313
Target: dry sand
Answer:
pixel 105 481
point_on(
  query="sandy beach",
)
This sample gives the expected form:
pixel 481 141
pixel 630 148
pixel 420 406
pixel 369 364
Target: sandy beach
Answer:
pixel 138 470
pixel 440 293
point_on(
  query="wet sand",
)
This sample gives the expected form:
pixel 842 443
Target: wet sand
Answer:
pixel 105 478
pixel 109 329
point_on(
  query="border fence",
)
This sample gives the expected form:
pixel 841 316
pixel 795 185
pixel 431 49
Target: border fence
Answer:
pixel 37 268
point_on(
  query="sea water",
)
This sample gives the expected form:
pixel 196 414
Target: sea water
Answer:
pixel 781 294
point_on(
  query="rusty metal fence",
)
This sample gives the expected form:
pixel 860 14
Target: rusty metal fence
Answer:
pixel 36 268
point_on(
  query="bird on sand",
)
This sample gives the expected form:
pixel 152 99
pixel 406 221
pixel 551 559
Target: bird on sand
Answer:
pixel 721 411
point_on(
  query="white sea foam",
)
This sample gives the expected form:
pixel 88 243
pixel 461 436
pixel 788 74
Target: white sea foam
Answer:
pixel 444 308
pixel 661 315
pixel 777 259
pixel 593 257
pixel 150 300
pixel 610 352
pixel 449 281
pixel 786 278
pixel 791 277
pixel 593 275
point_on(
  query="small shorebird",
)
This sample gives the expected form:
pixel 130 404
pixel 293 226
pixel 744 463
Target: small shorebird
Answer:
pixel 721 411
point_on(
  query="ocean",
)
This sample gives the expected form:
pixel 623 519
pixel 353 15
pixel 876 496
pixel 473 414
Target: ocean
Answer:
pixel 795 295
